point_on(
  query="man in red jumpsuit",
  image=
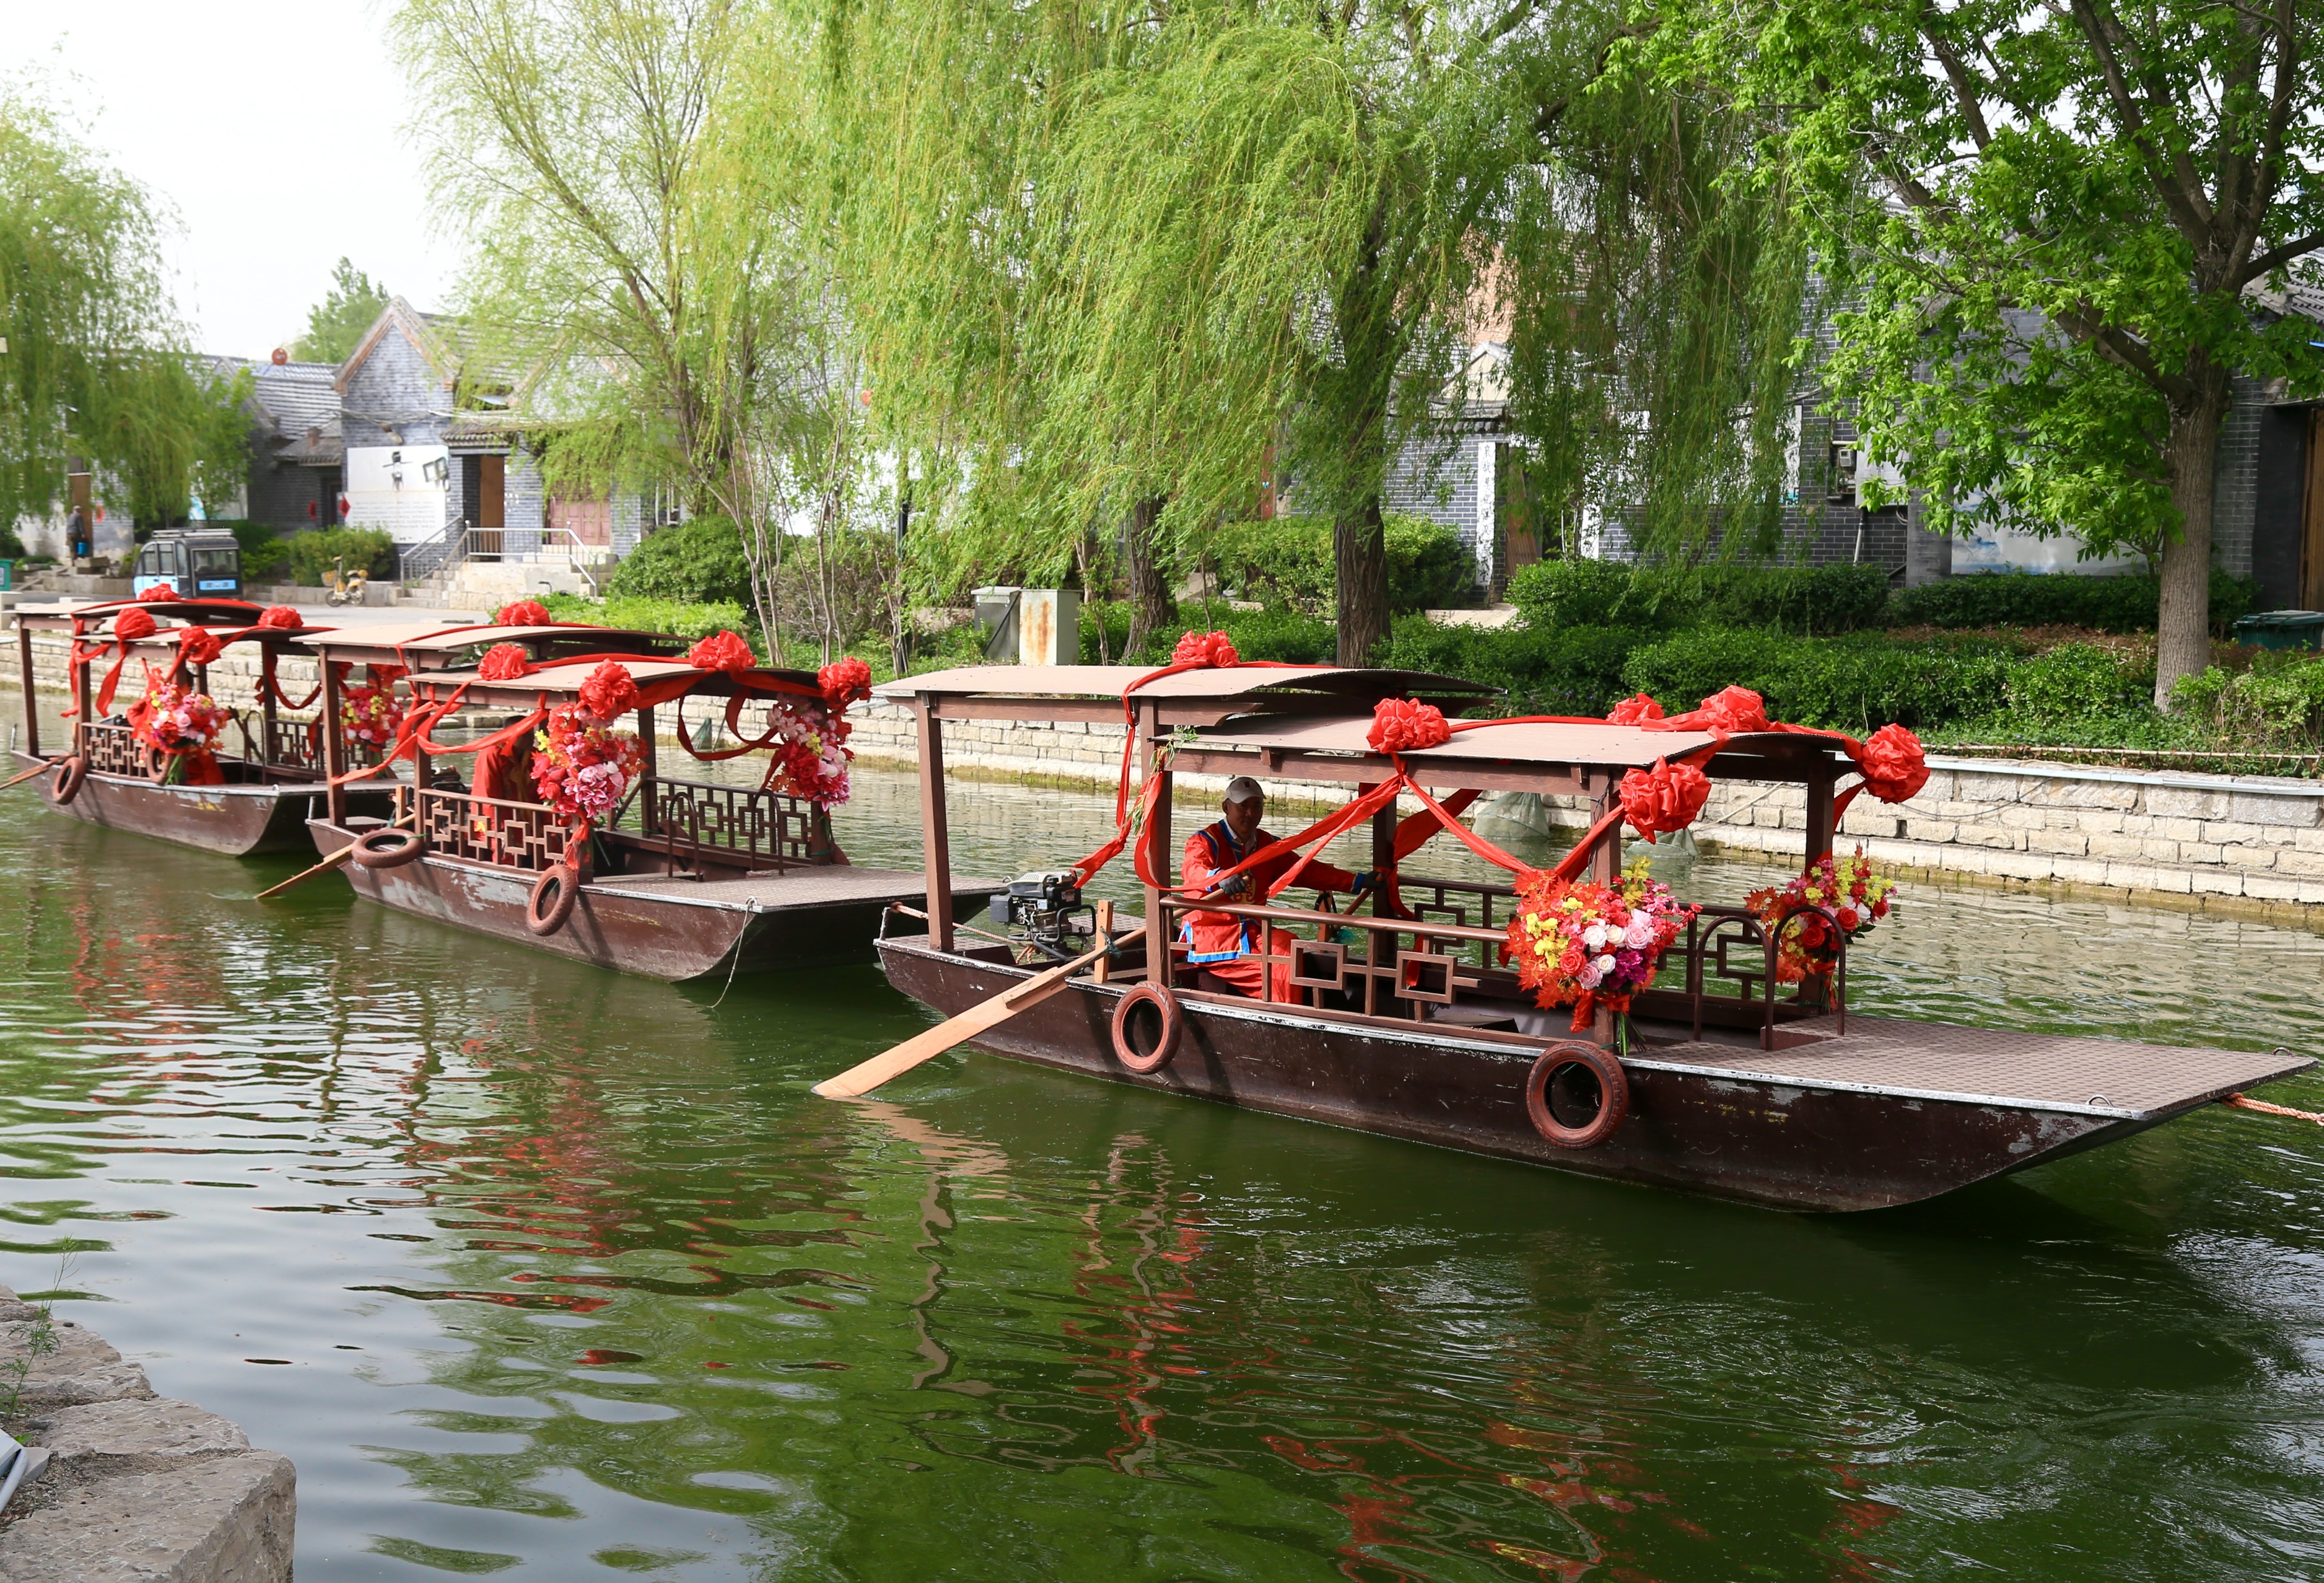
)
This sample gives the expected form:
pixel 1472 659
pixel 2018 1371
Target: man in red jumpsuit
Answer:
pixel 1221 942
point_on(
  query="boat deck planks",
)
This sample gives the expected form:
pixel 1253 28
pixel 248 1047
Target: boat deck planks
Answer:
pixel 1941 1061
pixel 773 890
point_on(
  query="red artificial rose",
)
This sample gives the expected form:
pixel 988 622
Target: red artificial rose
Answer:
pixel 159 592
pixel 1399 725
pixel 198 646
pixel 1205 650
pixel 1895 768
pixel 721 651
pixel 1848 918
pixel 611 691
pixel 1633 710
pixel 133 624
pixel 503 662
pixel 524 613
pixel 845 680
pixel 1664 799
pixel 284 616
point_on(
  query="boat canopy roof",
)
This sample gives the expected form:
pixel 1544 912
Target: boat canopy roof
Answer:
pixel 171 615
pixel 565 680
pixel 431 646
pixel 1186 697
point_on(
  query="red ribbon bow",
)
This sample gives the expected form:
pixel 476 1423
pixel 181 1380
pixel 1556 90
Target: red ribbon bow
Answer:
pixel 1400 725
pixel 158 593
pixel 1895 768
pixel 282 615
pixel 721 651
pixel 198 646
pixel 844 681
pixel 503 662
pixel 1634 710
pixel 524 613
pixel 1205 650
pixel 1665 800
pixel 611 691
pixel 132 624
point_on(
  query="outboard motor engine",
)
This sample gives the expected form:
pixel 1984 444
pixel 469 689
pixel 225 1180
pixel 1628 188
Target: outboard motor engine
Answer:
pixel 1045 910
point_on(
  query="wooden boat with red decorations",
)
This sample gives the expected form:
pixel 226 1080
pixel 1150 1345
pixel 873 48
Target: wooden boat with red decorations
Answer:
pixel 568 837
pixel 1740 1073
pixel 163 765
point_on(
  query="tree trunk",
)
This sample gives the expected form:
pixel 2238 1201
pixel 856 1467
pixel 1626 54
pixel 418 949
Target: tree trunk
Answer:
pixel 1152 607
pixel 2183 638
pixel 1360 560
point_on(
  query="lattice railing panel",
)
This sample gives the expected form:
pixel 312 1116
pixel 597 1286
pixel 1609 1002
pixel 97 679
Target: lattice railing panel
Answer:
pixel 747 822
pixel 485 830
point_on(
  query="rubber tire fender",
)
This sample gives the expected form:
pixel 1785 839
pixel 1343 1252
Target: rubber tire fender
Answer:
pixel 1613 1095
pixel 546 920
pixel 1174 1024
pixel 71 771
pixel 154 762
pixel 390 848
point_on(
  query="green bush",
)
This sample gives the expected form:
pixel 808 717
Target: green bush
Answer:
pixel 1574 670
pixel 265 555
pixel 1853 684
pixel 1289 561
pixel 2033 599
pixel 2277 704
pixel 677 618
pixel 1807 600
pixel 313 555
pixel 699 561
pixel 2076 682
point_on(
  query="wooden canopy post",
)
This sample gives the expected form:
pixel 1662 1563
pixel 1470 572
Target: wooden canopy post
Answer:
pixel 1606 869
pixel 649 770
pixel 1821 828
pixel 1383 853
pixel 1157 837
pixel 268 659
pixel 81 700
pixel 936 842
pixel 335 747
pixel 32 699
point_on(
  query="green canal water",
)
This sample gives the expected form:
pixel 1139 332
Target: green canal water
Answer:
pixel 539 1272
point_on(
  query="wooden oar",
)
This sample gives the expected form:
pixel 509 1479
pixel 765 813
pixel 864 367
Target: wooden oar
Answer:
pixel 958 1030
pixel 36 769
pixel 335 860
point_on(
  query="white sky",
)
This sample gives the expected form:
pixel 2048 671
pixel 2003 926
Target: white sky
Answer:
pixel 273 128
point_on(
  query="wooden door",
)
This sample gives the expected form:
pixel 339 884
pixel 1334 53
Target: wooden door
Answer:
pixel 492 504
pixel 589 521
pixel 2312 520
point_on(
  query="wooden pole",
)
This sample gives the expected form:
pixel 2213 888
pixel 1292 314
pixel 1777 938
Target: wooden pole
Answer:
pixel 82 701
pixel 31 698
pixel 335 747
pixel 1157 837
pixel 336 859
pixel 648 774
pixel 1606 869
pixel 1820 827
pixel 1383 852
pixel 934 837
pixel 267 660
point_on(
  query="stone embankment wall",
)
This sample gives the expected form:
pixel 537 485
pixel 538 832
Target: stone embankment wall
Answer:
pixel 2249 842
pixel 133 1486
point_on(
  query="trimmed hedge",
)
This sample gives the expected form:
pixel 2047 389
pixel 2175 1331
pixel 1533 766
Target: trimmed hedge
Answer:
pixel 1854 684
pixel 2034 599
pixel 1560 671
pixel 1288 560
pixel 315 552
pixel 699 561
pixel 1805 600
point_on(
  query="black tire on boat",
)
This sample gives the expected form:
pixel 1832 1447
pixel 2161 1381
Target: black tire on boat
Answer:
pixel 1577 1095
pixel 388 849
pixel 1165 1042
pixel 70 773
pixel 553 896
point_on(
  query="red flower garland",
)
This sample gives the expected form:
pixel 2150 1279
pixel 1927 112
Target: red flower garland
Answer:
pixel 524 613
pixel 1205 650
pixel 721 651
pixel 1401 725
pixel 503 662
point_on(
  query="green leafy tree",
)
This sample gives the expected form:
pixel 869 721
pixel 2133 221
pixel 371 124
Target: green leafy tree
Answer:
pixel 97 367
pixel 2063 226
pixel 336 324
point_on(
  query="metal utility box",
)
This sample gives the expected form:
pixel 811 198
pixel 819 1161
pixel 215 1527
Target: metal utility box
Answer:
pixel 1049 626
pixel 996 613
pixel 191 562
pixel 2282 629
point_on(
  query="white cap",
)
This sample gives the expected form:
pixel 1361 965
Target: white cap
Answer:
pixel 1242 788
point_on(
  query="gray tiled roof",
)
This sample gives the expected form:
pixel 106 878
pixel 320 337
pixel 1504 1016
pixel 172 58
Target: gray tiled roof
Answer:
pixel 291 400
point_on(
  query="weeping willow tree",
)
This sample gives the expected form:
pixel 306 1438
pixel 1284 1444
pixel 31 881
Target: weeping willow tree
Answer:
pixel 1115 254
pixel 1655 278
pixel 638 184
pixel 96 367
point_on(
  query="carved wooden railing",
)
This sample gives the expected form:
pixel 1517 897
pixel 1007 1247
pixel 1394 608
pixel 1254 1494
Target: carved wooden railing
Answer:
pixel 292 744
pixel 764 827
pixel 526 836
pixel 112 750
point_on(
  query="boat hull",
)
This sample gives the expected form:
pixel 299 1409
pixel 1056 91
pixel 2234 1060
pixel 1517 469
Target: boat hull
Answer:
pixel 1778 1144
pixel 236 821
pixel 619 925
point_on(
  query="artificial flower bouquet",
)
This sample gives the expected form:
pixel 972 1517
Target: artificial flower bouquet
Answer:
pixel 1839 901
pixel 1585 944
pixel 810 757
pixel 581 766
pixel 372 715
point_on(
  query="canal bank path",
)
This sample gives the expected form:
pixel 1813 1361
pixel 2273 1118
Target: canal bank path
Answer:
pixel 538 1272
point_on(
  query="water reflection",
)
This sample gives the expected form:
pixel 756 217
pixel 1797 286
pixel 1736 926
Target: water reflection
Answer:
pixel 574 1278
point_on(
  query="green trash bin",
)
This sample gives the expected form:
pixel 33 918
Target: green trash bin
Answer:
pixel 2282 629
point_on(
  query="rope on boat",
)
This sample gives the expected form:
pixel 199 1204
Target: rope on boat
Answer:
pixel 2245 1102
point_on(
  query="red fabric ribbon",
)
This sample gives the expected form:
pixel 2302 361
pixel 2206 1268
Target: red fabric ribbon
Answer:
pixel 1205 650
pixel 721 651
pixel 1634 710
pixel 524 613
pixel 1400 725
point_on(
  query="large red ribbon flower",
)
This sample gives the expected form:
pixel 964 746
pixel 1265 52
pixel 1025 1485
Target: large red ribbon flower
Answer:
pixel 721 651
pixel 844 681
pixel 132 624
pixel 282 615
pixel 524 613
pixel 503 662
pixel 1400 725
pixel 198 646
pixel 611 691
pixel 1205 650
pixel 1633 710
pixel 1895 768
pixel 158 593
pixel 1733 709
pixel 1665 800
